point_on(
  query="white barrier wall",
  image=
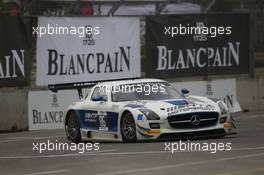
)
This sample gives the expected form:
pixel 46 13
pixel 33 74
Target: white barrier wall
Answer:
pixel 15 109
pixel 224 89
pixel 45 108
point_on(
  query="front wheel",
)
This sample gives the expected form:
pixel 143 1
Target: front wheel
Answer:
pixel 128 128
pixel 72 128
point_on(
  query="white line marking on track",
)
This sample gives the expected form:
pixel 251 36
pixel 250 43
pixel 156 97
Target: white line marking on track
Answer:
pixel 37 137
pixel 252 116
pixel 248 171
pixel 160 152
pixel 112 152
pixel 19 139
pixel 56 155
pixel 139 170
pixel 49 172
pixel 245 149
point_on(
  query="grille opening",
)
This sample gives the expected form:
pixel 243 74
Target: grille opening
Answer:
pixel 154 126
pixel 193 120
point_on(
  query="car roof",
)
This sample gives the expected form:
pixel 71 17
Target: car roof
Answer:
pixel 131 81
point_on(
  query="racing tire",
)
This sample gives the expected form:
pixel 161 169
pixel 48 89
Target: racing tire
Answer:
pixel 72 128
pixel 128 128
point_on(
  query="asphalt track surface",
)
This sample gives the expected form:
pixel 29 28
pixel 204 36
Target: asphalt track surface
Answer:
pixel 147 158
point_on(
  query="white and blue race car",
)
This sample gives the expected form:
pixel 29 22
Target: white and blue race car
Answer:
pixel 143 109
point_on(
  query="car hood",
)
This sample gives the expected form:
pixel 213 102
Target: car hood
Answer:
pixel 178 105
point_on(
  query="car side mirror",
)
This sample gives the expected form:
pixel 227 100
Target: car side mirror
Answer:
pixel 185 91
pixel 99 98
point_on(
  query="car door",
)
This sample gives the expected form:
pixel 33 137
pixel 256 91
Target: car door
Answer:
pixel 103 115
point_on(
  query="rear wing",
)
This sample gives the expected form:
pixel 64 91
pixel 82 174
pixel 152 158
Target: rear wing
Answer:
pixel 79 85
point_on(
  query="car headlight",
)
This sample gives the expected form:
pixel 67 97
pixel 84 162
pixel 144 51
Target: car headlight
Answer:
pixel 150 115
pixel 222 107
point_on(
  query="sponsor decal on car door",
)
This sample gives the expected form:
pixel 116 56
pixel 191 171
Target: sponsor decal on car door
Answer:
pixel 98 120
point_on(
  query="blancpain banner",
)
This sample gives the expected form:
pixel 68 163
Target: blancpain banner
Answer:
pixel 45 109
pixel 224 89
pixel 87 49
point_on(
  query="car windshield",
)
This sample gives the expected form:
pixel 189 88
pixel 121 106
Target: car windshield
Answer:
pixel 144 91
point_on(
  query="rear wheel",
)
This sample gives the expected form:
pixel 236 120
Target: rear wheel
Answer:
pixel 128 128
pixel 73 128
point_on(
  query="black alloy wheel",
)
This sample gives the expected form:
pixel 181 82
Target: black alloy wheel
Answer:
pixel 128 128
pixel 73 128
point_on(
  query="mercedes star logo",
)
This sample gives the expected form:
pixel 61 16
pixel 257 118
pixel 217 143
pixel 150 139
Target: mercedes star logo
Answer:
pixel 195 119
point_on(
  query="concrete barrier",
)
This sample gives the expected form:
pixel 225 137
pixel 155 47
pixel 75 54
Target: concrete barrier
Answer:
pixel 250 92
pixel 13 110
pixel 14 102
